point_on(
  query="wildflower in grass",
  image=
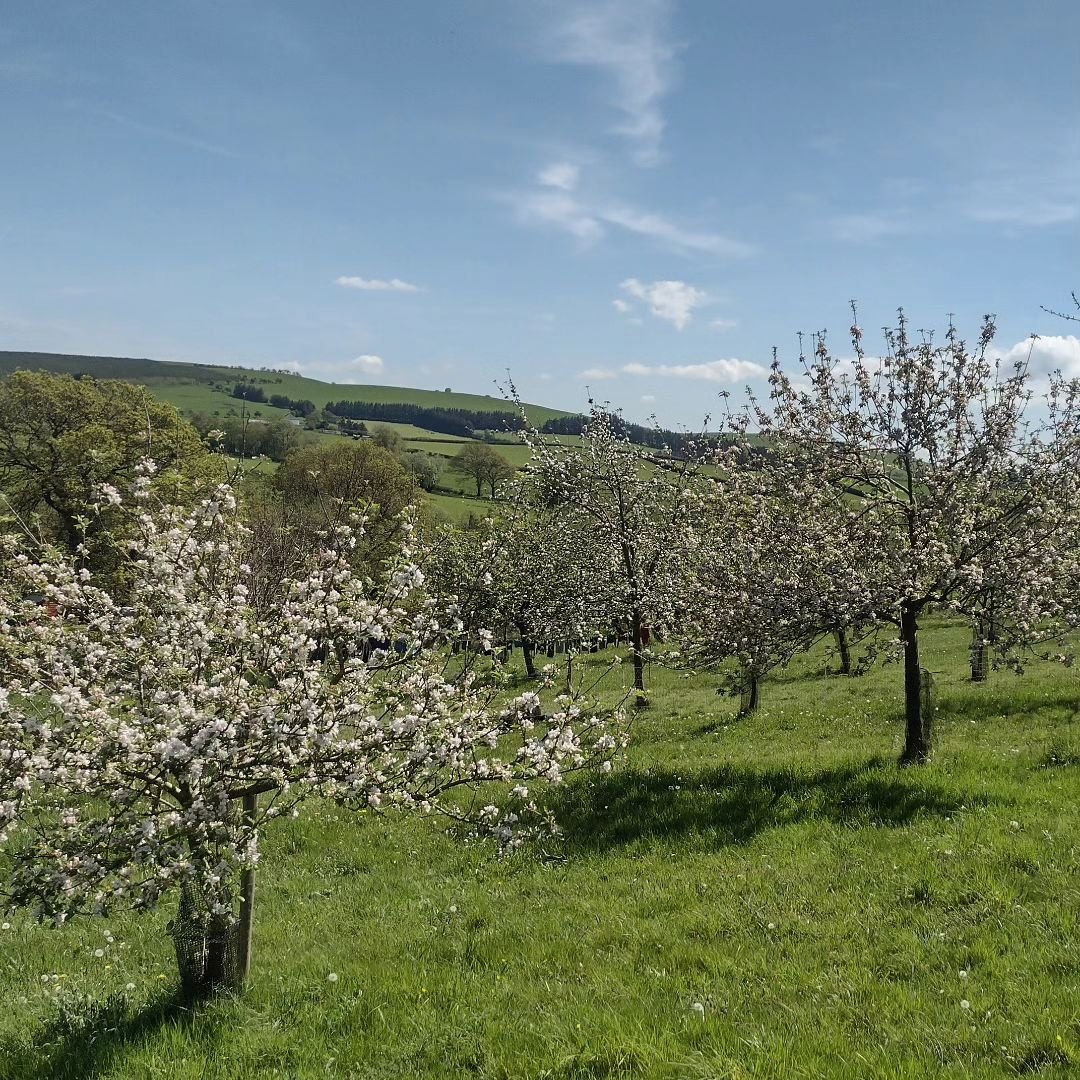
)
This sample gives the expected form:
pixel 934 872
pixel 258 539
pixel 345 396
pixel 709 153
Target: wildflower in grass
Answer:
pixel 99 953
pixel 698 1009
pixel 332 977
pixel 129 987
pixel 965 1004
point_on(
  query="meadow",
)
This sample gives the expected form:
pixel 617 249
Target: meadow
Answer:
pixel 766 897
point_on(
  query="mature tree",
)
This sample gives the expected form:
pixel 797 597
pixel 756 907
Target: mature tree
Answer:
pixel 61 438
pixel 426 468
pixel 630 507
pixel 316 488
pixel 482 464
pixel 944 477
pixel 145 747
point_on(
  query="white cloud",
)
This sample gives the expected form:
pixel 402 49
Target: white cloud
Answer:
pixel 723 324
pixel 724 371
pixel 1052 352
pixel 559 174
pixel 377 284
pixel 648 399
pixel 598 373
pixel 628 41
pixel 621 306
pixel 369 364
pixel 673 301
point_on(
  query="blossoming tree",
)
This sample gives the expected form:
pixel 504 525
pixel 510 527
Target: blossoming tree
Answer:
pixel 947 478
pixel 146 745
pixel 625 510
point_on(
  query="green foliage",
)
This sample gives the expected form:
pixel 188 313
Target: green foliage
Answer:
pixel 62 437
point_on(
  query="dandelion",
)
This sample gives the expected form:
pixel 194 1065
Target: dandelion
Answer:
pixel 5 926
pixel 698 1009
pixel 99 953
pixel 129 987
pixel 965 1004
pixel 332 977
pixel 963 973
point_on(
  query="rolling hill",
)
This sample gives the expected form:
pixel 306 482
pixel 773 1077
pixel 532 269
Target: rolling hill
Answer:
pixel 206 387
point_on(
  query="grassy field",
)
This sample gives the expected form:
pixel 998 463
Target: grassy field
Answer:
pixel 191 386
pixel 770 897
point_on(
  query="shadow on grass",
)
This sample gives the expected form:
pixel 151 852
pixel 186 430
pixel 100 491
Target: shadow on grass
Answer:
pixel 732 805
pixel 999 698
pixel 84 1040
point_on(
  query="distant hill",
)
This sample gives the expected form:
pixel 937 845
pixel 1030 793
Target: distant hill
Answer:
pixel 207 387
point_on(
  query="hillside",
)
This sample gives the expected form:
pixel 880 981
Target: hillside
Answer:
pixel 205 387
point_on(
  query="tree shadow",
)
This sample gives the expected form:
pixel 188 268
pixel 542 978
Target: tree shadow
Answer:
pixel 83 1042
pixel 732 805
pixel 993 700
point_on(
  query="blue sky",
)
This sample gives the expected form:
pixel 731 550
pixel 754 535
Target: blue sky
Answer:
pixel 638 196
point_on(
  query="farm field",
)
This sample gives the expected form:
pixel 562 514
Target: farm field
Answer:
pixel 768 897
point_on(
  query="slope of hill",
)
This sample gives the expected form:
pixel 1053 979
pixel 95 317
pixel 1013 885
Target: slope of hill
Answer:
pixel 206 387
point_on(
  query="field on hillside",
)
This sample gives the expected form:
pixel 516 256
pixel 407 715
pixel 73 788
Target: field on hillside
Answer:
pixel 769 897
pixel 191 386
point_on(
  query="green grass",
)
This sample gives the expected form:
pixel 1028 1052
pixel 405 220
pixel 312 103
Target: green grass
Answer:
pixel 817 901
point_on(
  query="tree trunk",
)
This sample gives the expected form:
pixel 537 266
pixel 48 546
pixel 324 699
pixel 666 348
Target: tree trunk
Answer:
pixel 217 975
pixel 527 654
pixel 479 488
pixel 752 690
pixel 247 901
pixel 845 650
pixel 980 653
pixel 638 648
pixel 916 735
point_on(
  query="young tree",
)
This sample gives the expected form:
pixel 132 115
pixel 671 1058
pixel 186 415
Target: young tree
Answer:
pixel 765 577
pixel 630 508
pixel 943 475
pixel 146 746
pixel 521 571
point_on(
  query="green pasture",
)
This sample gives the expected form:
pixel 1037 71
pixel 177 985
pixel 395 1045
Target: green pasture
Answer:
pixel 767 897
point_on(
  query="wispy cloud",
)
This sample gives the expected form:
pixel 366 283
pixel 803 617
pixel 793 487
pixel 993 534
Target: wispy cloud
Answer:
pixel 629 42
pixel 598 374
pixel 673 301
pixel 589 218
pixel 559 174
pixel 156 130
pixel 723 324
pixel 722 371
pixel 369 364
pixel 377 284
